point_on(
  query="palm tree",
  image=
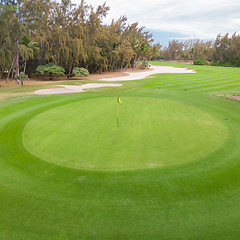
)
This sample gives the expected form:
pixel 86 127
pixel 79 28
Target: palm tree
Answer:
pixel 27 49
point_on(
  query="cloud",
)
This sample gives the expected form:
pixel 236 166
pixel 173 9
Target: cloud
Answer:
pixel 203 19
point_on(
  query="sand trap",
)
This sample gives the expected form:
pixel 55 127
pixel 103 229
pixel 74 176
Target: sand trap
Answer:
pixel 74 89
pixel 154 70
pixel 130 76
pixel 236 97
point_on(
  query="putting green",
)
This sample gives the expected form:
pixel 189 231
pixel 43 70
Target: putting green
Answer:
pixel 152 132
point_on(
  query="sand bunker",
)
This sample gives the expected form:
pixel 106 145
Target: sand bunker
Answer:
pixel 154 70
pixel 236 97
pixel 74 89
pixel 130 76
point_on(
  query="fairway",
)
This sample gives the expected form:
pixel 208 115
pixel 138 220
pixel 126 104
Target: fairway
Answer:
pixel 170 170
pixel 152 133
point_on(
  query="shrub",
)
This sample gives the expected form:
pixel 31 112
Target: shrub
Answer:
pixel 80 72
pixel 215 64
pixel 144 65
pixel 227 64
pixel 236 61
pixel 22 76
pixel 199 62
pixel 51 70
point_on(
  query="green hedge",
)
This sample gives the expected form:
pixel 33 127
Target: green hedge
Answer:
pixel 199 62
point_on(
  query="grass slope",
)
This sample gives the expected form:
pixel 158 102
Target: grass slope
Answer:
pixel 196 200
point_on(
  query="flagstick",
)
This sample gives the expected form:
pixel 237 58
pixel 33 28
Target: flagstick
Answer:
pixel 117 113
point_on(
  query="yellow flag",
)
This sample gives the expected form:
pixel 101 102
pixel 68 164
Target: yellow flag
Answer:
pixel 119 100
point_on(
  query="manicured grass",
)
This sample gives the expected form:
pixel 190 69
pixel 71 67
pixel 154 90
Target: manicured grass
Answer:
pixel 187 197
pixel 152 132
pixel 209 79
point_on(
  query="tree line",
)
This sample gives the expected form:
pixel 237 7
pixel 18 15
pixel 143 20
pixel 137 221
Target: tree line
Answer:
pixel 38 32
pixel 41 32
pixel 224 51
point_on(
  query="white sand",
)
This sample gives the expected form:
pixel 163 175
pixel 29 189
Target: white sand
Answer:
pixel 154 70
pixel 131 76
pixel 74 89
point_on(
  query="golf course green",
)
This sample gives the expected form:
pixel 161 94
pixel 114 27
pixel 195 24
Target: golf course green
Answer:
pixel 170 170
pixel 85 134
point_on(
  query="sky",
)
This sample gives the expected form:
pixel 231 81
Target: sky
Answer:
pixel 174 19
